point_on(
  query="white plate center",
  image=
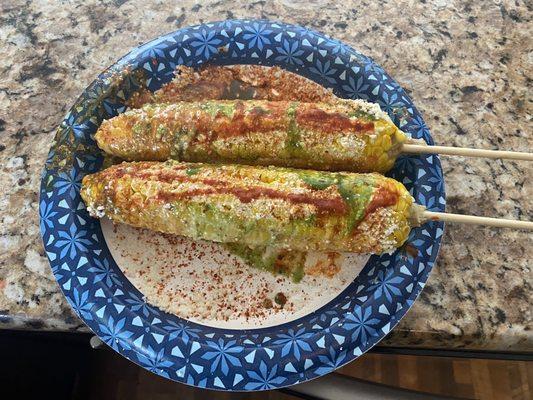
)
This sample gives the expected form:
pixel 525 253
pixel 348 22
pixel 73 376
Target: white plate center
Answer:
pixel 203 282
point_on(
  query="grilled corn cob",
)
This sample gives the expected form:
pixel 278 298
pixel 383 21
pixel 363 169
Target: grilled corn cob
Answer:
pixel 255 206
pixel 348 135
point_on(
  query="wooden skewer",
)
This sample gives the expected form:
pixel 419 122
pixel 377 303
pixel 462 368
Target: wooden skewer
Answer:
pixel 418 146
pixel 419 215
pixel 472 220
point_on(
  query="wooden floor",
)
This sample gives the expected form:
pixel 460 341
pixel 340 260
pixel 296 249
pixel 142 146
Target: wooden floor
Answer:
pixel 455 377
pixel 63 366
pixel 112 377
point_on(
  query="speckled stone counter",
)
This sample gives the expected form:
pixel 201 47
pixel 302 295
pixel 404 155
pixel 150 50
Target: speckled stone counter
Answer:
pixel 466 65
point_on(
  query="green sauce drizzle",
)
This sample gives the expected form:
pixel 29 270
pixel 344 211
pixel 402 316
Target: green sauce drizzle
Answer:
pixel 362 114
pixel 192 171
pixel 354 192
pixel 293 143
pixel 213 108
pixel 356 195
pixel 161 131
pixel 275 261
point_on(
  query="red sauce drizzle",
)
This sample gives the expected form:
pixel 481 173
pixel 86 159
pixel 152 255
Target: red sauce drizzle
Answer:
pixel 245 194
pixel 329 122
pixel 272 116
pixel 268 118
pixel 382 197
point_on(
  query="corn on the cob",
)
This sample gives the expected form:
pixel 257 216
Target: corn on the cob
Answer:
pixel 345 136
pixel 255 206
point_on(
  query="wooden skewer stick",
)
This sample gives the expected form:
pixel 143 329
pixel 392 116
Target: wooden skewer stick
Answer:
pixel 418 146
pixel 419 215
pixel 472 220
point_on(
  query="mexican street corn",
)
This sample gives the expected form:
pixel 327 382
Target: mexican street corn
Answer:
pixel 255 206
pixel 348 135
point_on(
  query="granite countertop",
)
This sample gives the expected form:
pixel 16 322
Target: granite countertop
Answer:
pixel 467 65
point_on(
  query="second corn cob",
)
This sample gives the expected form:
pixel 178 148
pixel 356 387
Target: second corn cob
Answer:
pixel 255 206
pixel 346 135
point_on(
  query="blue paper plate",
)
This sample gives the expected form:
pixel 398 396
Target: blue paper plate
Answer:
pixel 208 357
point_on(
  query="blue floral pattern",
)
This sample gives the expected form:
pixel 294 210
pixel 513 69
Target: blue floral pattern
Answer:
pixel 264 379
pixel 257 36
pixel 289 53
pixel 294 343
pixel 223 354
pixel 205 43
pixel 184 351
pixel 72 241
pixel 361 323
